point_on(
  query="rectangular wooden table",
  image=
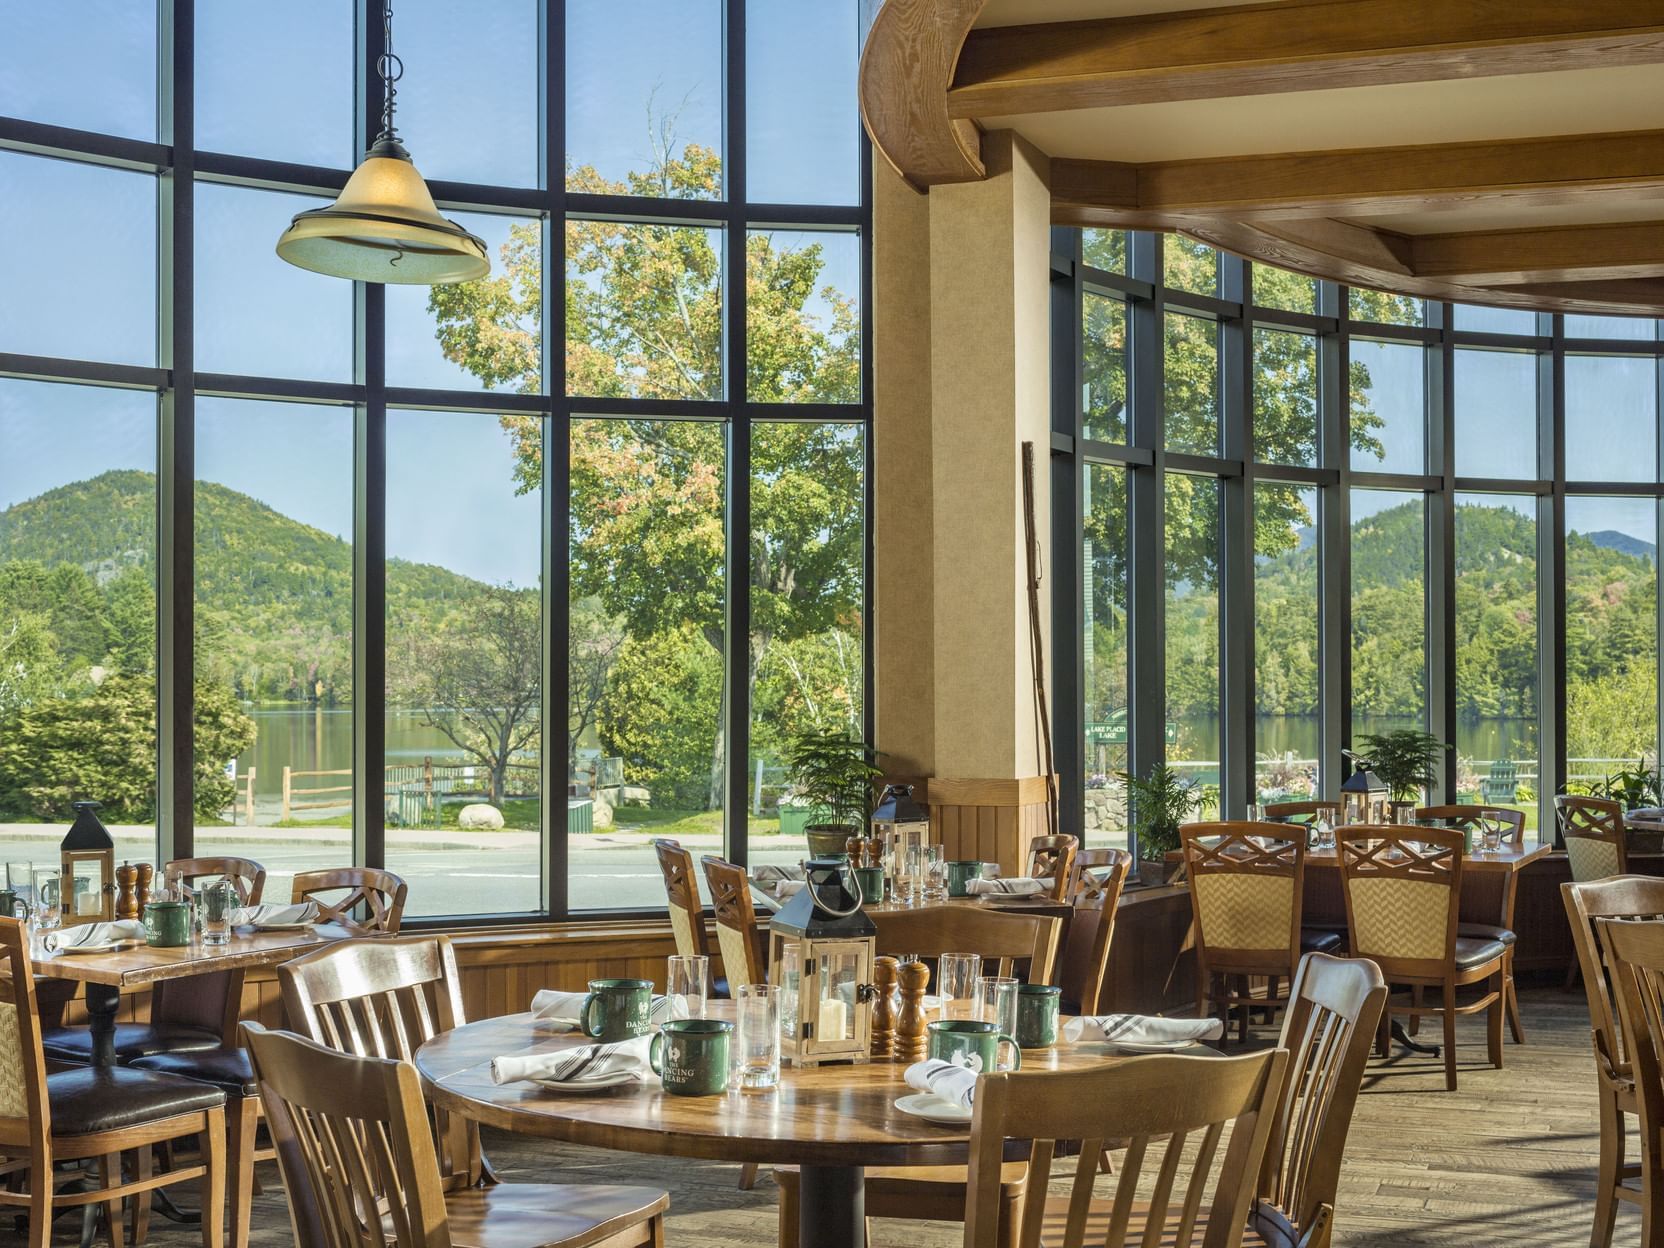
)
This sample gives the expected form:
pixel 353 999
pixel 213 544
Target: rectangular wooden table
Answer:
pixel 1488 882
pixel 106 974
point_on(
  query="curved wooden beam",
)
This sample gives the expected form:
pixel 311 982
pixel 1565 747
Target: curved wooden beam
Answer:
pixel 911 54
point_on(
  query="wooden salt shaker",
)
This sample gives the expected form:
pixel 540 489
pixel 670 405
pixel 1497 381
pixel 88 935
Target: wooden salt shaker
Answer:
pixel 912 1042
pixel 883 1007
pixel 127 903
pixel 141 891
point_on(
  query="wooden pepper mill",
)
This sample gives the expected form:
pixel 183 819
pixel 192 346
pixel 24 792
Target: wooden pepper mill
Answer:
pixel 127 897
pixel 911 1042
pixel 141 891
pixel 883 1007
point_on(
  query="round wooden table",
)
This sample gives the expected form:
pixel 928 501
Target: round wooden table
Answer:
pixel 832 1120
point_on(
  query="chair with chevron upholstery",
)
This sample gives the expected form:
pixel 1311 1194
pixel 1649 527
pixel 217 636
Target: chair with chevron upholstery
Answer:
pixel 1246 882
pixel 1403 888
pixel 1593 831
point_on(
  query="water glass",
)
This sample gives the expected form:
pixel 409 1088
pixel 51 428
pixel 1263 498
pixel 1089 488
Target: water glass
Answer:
pixel 20 878
pixel 48 886
pixel 935 874
pixel 1491 830
pixel 217 901
pixel 1325 833
pixel 996 1002
pixel 756 1052
pixel 956 976
pixel 689 977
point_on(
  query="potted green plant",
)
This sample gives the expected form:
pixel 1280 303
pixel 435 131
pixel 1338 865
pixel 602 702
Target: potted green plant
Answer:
pixel 1407 761
pixel 1635 786
pixel 1157 804
pixel 833 775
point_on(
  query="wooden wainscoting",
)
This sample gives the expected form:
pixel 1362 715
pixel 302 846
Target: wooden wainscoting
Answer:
pixel 988 820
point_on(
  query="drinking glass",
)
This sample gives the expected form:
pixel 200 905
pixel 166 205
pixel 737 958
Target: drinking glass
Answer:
pixel 216 903
pixel 20 878
pixel 688 977
pixel 935 874
pixel 756 1050
pixel 996 1002
pixel 956 976
pixel 1325 833
pixel 48 886
pixel 1491 829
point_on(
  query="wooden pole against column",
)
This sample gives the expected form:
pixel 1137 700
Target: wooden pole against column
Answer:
pixel 1037 642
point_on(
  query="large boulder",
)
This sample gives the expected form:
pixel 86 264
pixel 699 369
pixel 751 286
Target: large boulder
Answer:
pixel 600 812
pixel 479 817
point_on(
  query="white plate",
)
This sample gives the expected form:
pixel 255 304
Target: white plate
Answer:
pixel 932 1108
pixel 615 1080
pixel 281 927
pixel 1159 1046
pixel 107 947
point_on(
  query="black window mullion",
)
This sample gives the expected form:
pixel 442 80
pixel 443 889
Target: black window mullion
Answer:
pixel 1146 554
pixel 737 728
pixel 1236 549
pixel 557 474
pixel 1067 327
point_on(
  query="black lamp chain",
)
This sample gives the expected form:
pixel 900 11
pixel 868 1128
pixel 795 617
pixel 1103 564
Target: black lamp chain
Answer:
pixel 391 69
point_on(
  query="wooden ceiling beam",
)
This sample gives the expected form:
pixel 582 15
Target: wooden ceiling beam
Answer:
pixel 1296 45
pixel 906 67
pixel 1375 181
pixel 1582 253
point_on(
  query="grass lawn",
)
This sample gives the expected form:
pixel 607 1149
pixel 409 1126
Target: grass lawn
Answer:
pixel 674 823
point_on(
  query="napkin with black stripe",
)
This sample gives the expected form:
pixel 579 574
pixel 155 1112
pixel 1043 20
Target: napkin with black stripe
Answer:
pixel 588 1063
pixel 947 1081
pixel 1142 1029
pixel 1015 886
pixel 563 1010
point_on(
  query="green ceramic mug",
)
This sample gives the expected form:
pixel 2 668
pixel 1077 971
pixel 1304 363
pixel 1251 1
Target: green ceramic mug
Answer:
pixel 1037 1010
pixel 690 1056
pixel 167 924
pixel 960 873
pixel 971 1043
pixel 616 1009
pixel 871 880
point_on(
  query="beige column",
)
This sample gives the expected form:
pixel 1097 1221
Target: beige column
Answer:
pixel 962 379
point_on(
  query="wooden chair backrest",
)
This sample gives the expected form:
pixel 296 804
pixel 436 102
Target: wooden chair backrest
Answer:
pixel 998 935
pixel 1246 881
pixel 381 893
pixel 1620 897
pixel 1100 874
pixel 1300 812
pixel 1334 1008
pixel 384 998
pixel 1053 858
pixel 248 876
pixel 25 1112
pixel 743 944
pixel 1403 886
pixel 1592 829
pixel 681 887
pixel 1468 817
pixel 351 1136
pixel 1635 952
pixel 1167 1101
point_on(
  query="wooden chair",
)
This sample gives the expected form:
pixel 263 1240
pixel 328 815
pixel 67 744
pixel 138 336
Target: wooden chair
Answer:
pixel 247 876
pixel 1334 1010
pixel 1403 890
pixel 352 1135
pixel 1467 818
pixel 1635 954
pixel 1303 813
pixel 1094 894
pixel 937 1193
pixel 381 893
pixel 742 941
pixel 687 911
pixel 1246 885
pixel 1621 897
pixel 93 1113
pixel 1167 1102
pixel 1592 829
pixel 1053 858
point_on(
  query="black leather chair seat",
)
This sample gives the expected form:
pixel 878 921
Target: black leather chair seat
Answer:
pixel 1486 931
pixel 1471 952
pixel 113 1098
pixel 229 1070
pixel 74 1044
pixel 1319 940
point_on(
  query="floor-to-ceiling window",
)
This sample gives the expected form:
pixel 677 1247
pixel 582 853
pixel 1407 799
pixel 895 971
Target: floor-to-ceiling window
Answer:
pixel 1308 512
pixel 356 545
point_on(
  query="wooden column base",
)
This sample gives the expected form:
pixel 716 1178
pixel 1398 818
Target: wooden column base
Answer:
pixel 988 820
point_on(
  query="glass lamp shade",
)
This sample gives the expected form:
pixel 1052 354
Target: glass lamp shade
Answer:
pixel 384 227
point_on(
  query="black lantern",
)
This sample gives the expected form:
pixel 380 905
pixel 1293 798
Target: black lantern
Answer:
pixel 87 887
pixel 822 930
pixel 1363 797
pixel 901 826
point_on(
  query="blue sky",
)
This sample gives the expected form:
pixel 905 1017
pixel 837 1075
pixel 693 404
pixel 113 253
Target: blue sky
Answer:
pixel 77 243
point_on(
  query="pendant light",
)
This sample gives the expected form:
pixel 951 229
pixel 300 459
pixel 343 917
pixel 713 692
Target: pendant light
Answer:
pixel 384 227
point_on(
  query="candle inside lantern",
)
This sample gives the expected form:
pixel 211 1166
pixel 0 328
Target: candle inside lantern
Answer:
pixel 834 1015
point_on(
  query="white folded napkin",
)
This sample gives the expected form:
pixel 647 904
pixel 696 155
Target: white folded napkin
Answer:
pixel 563 1008
pixel 274 915
pixel 1016 885
pixel 767 874
pixel 952 1083
pixel 92 934
pixel 1142 1029
pixel 587 1063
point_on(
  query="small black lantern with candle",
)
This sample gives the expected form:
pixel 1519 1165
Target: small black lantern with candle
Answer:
pixel 87 886
pixel 831 941
pixel 1363 796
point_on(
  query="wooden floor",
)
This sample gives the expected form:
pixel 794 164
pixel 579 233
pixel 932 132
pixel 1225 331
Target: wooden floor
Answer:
pixel 1507 1159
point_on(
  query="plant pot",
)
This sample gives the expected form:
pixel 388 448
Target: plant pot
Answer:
pixel 1155 874
pixel 1402 811
pixel 826 840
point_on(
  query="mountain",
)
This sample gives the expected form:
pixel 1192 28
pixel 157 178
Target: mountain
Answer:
pixel 1623 543
pixel 274 596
